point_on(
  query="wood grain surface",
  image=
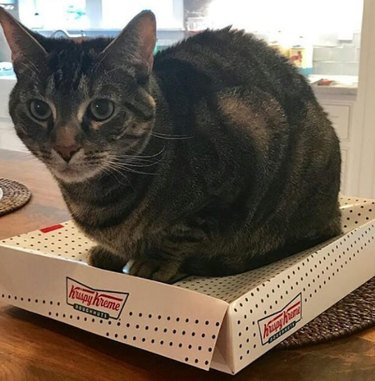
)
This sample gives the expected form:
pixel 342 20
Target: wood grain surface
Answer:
pixel 36 348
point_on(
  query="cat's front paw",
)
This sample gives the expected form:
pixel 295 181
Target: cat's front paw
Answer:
pixel 161 271
pixel 102 258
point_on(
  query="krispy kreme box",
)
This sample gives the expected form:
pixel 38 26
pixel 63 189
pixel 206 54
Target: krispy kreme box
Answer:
pixel 223 323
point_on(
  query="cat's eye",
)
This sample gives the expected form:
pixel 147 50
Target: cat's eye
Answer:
pixel 101 109
pixel 40 110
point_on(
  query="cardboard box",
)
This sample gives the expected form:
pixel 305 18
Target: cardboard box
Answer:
pixel 221 323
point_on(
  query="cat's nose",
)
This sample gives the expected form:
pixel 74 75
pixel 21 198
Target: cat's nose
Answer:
pixel 67 151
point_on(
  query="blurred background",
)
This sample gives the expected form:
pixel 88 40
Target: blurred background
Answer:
pixel 320 36
pixel 330 41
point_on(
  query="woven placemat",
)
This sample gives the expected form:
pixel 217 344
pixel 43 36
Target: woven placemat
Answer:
pixel 14 195
pixel 352 314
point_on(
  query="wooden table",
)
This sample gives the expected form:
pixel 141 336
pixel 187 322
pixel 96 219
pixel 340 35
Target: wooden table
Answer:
pixel 36 348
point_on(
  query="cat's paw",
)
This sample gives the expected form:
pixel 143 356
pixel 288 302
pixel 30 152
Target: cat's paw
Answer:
pixel 166 272
pixel 102 258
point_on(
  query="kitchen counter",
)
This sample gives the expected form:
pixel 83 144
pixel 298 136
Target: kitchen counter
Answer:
pixel 342 85
pixel 338 85
pixel 8 137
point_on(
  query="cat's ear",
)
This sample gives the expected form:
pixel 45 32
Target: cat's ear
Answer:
pixel 135 44
pixel 23 45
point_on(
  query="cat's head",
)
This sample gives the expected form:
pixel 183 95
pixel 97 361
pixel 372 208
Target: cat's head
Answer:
pixel 83 106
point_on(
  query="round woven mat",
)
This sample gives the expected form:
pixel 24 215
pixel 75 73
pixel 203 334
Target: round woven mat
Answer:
pixel 14 195
pixel 353 313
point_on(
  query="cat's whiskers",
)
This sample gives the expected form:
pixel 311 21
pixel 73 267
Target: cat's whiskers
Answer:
pixel 140 165
pixel 125 158
pixel 93 160
pixel 112 171
pixel 138 160
pixel 144 156
pixel 136 163
pixel 129 162
pixel 160 135
pixel 122 166
pixel 113 174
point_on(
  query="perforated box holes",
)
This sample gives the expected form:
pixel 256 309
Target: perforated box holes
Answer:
pixel 232 287
pixel 20 299
pixel 316 271
pixel 172 333
pixel 356 212
pixel 25 301
pixel 67 242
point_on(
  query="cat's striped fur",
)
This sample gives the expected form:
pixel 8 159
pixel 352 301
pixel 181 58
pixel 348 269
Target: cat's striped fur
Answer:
pixel 217 159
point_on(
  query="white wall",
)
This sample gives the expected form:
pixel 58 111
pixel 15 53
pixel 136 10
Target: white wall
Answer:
pixel 364 117
pixel 291 16
pixel 116 14
pixel 111 14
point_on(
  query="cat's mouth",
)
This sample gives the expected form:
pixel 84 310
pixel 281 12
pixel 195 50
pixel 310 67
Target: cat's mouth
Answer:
pixel 74 172
pixel 69 171
pixel 71 174
pixel 77 169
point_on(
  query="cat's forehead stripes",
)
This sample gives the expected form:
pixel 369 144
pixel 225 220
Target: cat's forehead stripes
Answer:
pixel 68 68
pixel 58 84
pixel 68 86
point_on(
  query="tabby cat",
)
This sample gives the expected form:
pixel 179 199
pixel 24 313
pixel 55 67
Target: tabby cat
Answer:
pixel 212 157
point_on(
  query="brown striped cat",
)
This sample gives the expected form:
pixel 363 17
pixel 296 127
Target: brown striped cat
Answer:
pixel 211 158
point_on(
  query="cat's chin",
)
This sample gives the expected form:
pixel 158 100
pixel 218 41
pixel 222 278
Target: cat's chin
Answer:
pixel 70 175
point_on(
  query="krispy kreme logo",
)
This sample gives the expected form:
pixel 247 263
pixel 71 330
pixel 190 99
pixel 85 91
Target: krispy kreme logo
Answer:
pixel 274 326
pixel 100 303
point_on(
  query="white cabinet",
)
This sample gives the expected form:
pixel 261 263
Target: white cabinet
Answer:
pixel 339 114
pixel 339 105
pixel 8 138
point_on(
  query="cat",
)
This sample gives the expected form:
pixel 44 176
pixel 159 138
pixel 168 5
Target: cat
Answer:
pixel 211 158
